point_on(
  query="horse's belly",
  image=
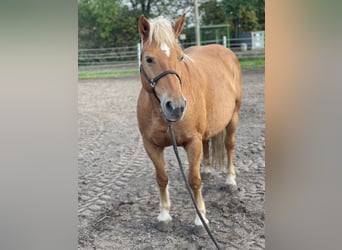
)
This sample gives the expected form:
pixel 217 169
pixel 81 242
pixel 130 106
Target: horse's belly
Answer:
pixel 218 118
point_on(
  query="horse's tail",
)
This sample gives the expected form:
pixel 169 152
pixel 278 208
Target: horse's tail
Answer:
pixel 218 150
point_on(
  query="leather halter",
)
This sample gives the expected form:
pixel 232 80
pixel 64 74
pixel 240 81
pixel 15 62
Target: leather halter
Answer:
pixel 153 81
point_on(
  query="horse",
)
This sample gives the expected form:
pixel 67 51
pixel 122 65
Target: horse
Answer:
pixel 199 90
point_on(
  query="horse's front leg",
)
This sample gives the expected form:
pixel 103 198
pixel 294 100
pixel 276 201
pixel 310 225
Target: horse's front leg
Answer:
pixel 194 153
pixel 156 155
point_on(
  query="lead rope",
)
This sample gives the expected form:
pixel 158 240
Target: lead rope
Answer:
pixel 187 186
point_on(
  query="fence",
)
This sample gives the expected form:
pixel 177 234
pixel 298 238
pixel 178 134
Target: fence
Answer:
pixel 126 58
pixel 108 58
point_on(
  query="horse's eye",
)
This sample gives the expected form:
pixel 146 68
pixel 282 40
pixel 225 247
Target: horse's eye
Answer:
pixel 149 60
pixel 181 58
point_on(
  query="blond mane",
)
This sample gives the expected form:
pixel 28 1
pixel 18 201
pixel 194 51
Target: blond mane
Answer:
pixel 162 32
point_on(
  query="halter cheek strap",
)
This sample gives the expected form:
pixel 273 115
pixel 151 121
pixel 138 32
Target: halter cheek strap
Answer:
pixel 153 81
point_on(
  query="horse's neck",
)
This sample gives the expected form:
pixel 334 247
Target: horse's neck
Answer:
pixel 188 69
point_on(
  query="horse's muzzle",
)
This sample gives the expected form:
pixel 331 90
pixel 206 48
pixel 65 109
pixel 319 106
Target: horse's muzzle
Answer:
pixel 173 110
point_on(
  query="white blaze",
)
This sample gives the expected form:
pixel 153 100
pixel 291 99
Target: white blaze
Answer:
pixel 165 49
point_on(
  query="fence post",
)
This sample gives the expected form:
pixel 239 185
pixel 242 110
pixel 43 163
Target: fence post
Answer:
pixel 224 41
pixel 139 54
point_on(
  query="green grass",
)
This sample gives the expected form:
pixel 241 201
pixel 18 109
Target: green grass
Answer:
pixel 104 74
pixel 244 62
pixel 252 62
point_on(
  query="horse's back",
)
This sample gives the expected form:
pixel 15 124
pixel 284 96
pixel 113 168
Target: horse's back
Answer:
pixel 212 52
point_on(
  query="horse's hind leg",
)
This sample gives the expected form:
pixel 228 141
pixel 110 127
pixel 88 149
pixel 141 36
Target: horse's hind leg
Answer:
pixel 206 168
pixel 157 156
pixel 230 143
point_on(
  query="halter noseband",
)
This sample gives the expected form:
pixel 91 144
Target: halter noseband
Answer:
pixel 153 82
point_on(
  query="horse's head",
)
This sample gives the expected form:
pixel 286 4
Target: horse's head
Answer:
pixel 161 60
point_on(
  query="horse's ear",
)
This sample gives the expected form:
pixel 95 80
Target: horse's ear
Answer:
pixel 178 25
pixel 144 27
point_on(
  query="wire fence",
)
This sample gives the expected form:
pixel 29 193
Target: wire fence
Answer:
pixel 127 57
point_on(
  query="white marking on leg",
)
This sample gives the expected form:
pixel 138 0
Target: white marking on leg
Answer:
pixel 231 180
pixel 201 208
pixel 165 49
pixel 198 221
pixel 164 214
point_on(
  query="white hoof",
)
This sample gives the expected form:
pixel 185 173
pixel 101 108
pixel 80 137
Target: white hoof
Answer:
pixel 231 180
pixel 206 170
pixel 198 221
pixel 164 216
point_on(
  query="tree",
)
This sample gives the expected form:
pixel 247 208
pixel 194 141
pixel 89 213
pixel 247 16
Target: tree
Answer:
pixel 242 15
pixel 249 20
pixel 87 35
pixel 142 5
pixel 124 27
pixel 260 13
pixel 212 13
pixel 113 23
pixel 106 23
pixel 167 8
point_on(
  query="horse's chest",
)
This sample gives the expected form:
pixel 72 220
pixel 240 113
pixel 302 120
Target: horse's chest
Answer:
pixel 159 134
pixel 161 138
pixel 158 130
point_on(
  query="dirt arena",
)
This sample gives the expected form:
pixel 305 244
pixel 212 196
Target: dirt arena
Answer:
pixel 117 192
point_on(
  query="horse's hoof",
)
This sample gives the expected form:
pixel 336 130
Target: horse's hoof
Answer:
pixel 232 188
pixel 206 175
pixel 231 183
pixel 164 226
pixel 229 188
pixel 199 231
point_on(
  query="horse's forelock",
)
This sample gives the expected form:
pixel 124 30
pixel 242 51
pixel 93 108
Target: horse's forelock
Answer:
pixel 161 31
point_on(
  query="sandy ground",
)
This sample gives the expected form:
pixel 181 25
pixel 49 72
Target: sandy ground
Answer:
pixel 118 194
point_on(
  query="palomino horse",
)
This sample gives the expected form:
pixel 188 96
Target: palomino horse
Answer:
pixel 199 90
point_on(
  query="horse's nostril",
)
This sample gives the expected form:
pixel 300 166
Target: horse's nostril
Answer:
pixel 183 106
pixel 169 106
pixel 182 109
